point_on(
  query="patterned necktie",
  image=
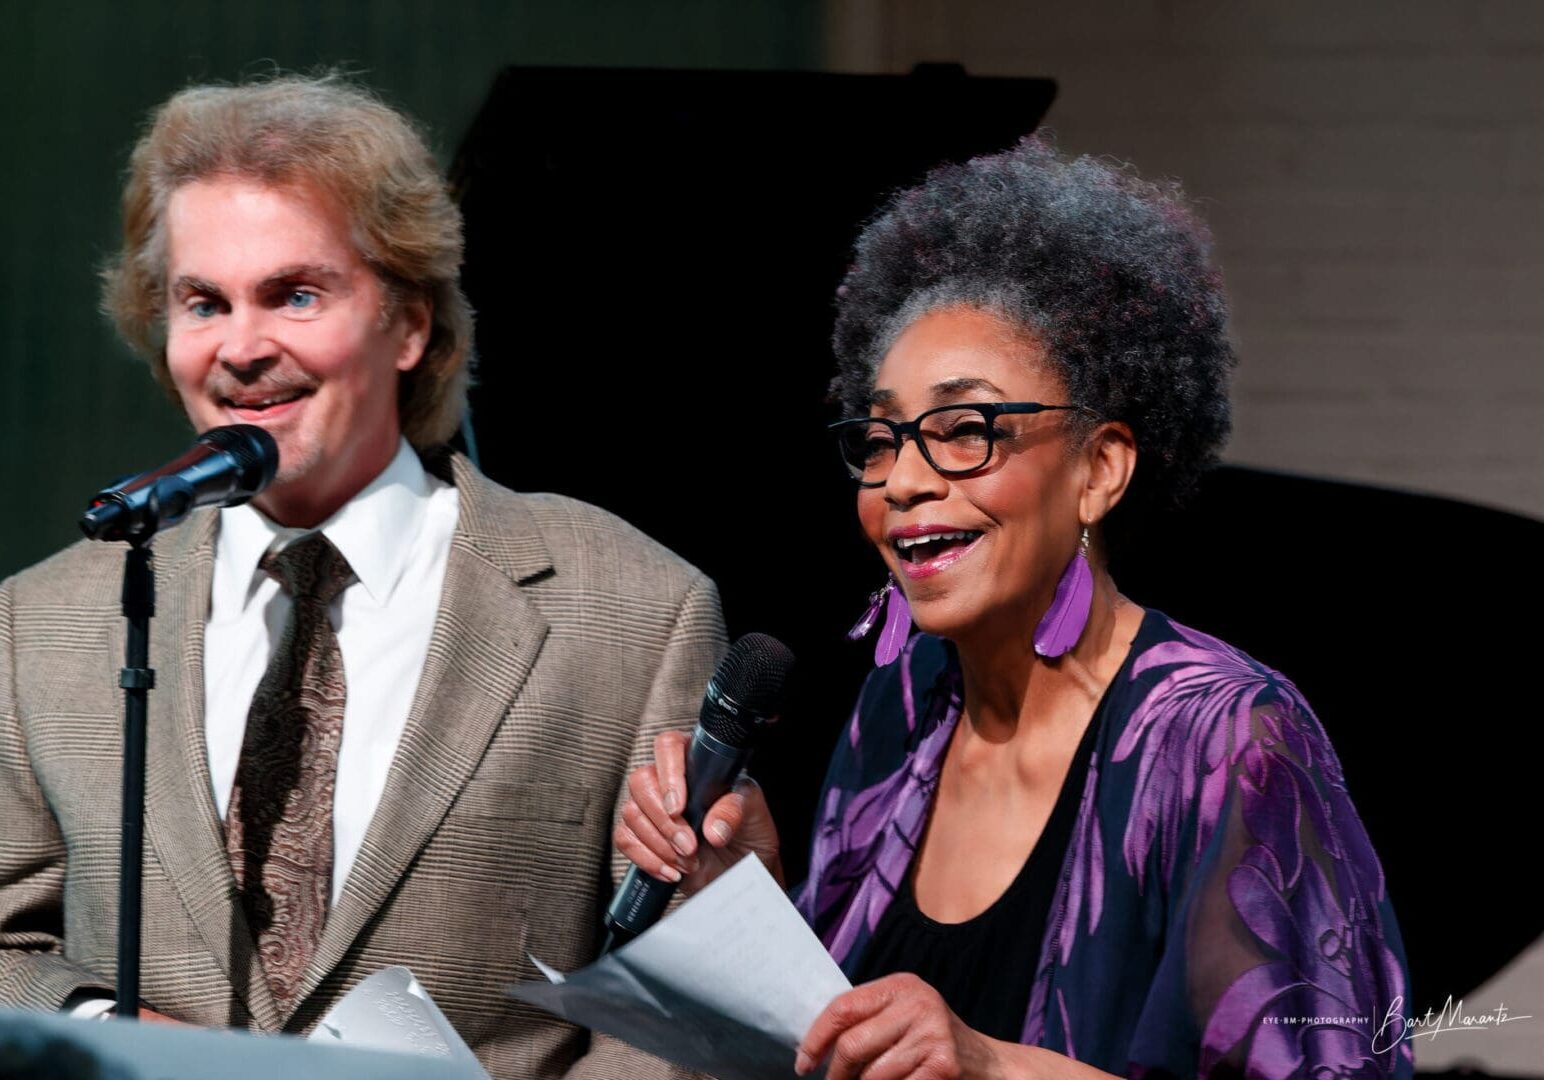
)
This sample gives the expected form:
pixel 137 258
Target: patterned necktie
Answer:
pixel 278 828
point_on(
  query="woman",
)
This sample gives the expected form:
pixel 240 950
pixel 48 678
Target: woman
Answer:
pixel 1063 835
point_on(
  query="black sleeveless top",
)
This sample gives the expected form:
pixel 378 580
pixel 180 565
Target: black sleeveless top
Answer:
pixel 984 967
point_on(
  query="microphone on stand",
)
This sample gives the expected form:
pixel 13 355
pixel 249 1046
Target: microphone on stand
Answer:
pixel 742 699
pixel 226 467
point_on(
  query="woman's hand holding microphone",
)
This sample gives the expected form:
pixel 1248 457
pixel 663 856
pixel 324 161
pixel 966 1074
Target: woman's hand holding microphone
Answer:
pixel 653 833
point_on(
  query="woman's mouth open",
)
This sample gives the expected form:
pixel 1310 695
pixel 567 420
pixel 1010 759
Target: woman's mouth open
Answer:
pixel 922 555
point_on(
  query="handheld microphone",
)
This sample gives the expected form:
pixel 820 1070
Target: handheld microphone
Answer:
pixel 226 467
pixel 743 697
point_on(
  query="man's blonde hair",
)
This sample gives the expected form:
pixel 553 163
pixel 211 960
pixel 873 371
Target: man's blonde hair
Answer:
pixel 301 130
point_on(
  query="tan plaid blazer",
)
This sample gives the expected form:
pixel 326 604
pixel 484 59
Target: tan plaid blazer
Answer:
pixel 565 641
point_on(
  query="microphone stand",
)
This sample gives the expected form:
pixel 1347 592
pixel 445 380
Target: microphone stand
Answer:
pixel 137 678
pixel 169 500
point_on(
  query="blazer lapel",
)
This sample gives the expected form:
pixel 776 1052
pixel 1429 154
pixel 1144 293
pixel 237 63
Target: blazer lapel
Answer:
pixel 485 641
pixel 181 820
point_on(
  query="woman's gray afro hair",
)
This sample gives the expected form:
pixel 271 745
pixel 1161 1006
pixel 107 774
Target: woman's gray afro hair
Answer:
pixel 1110 273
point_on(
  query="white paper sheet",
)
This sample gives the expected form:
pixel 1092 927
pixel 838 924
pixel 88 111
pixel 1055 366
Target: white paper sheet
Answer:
pixel 726 984
pixel 391 1011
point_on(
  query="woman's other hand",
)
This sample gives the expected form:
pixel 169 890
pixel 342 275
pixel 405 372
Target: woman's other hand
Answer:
pixel 654 835
pixel 895 1027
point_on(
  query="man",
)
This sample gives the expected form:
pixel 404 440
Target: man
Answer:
pixel 395 703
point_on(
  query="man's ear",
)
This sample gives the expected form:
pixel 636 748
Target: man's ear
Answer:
pixel 416 317
pixel 1111 452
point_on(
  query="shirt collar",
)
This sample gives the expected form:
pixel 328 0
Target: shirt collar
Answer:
pixel 374 531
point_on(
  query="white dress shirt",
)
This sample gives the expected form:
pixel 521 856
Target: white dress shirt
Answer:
pixel 395 535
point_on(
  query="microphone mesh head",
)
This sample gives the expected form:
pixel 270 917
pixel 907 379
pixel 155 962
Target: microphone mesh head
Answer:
pixel 252 447
pixel 753 675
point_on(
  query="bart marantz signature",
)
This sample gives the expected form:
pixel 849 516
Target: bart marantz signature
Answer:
pixel 1397 1027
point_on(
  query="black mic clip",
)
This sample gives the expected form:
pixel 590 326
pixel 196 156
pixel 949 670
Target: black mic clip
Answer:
pixel 166 502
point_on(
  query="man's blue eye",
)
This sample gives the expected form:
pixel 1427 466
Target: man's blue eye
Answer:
pixel 204 309
pixel 301 299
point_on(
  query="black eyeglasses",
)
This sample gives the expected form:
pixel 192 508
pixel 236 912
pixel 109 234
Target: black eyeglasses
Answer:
pixel 955 440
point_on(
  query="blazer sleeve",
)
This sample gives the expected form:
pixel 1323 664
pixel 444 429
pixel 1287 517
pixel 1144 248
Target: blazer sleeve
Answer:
pixel 1282 954
pixel 33 970
pixel 696 643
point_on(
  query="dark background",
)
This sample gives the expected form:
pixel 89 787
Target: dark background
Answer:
pixel 681 235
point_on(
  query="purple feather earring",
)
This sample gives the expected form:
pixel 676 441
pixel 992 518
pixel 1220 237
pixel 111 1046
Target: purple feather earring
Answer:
pixel 1065 619
pixel 897 622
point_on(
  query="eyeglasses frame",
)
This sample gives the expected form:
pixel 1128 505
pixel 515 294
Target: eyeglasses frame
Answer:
pixel 989 410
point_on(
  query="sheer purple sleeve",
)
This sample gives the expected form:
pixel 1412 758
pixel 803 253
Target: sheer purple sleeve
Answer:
pixel 1282 957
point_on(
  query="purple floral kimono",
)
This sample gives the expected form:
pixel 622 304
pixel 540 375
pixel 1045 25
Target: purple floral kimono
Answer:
pixel 1220 910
